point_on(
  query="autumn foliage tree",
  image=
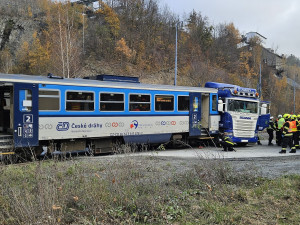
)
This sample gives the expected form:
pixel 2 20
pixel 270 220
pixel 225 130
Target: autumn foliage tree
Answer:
pixel 110 17
pixel 39 56
pixel 6 61
pixel 224 51
pixel 33 58
pixel 123 50
pixel 64 34
pixel 23 64
pixel 103 33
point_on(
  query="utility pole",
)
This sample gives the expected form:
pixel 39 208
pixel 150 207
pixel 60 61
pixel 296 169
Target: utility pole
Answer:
pixel 259 85
pixel 83 49
pixel 176 38
pixel 296 76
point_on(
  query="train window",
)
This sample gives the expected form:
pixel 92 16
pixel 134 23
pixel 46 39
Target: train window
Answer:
pixel 214 103
pixel 6 101
pixel 139 102
pixel 164 103
pixel 25 99
pixel 49 100
pixel 111 102
pixel 183 103
pixel 79 101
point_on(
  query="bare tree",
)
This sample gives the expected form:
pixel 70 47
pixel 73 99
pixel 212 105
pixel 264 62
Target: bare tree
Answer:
pixel 66 44
pixel 6 63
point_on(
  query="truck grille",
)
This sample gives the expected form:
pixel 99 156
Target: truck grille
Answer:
pixel 243 134
pixel 244 128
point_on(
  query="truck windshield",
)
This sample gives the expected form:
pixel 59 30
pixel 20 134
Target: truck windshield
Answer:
pixel 242 106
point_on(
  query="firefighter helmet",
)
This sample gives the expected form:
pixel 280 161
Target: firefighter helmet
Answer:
pixel 293 117
pixel 280 116
pixel 286 116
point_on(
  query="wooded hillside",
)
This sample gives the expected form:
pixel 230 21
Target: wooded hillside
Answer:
pixel 137 38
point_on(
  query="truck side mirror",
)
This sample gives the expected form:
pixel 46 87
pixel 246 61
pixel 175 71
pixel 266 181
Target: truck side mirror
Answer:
pixel 220 106
pixel 263 109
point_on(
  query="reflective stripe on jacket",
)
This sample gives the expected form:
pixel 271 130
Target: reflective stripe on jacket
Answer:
pixel 228 140
pixel 271 126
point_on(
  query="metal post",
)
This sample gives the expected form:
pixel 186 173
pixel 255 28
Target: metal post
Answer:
pixel 175 81
pixel 83 47
pixel 295 94
pixel 294 98
pixel 259 86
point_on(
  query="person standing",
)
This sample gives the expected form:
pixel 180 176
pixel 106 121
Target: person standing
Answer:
pixel 298 129
pixel 270 130
pixel 295 130
pixel 287 135
pixel 279 126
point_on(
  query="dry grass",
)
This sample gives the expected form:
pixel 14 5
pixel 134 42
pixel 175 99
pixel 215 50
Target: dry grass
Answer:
pixel 130 190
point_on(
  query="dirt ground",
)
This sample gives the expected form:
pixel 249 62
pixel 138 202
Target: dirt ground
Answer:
pixel 263 160
pixel 269 167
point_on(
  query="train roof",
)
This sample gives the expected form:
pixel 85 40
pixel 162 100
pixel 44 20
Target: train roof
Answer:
pixel 219 85
pixel 21 78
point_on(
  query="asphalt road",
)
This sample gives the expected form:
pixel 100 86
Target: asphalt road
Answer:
pixel 262 159
pixel 255 151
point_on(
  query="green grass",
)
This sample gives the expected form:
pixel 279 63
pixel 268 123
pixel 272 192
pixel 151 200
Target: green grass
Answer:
pixel 126 191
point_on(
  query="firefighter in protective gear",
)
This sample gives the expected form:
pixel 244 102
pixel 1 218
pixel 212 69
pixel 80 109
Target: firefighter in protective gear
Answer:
pixel 226 143
pixel 298 118
pixel 287 135
pixel 270 130
pixel 295 130
pixel 279 126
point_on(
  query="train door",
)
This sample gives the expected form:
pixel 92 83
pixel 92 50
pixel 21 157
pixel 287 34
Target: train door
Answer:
pixel 205 111
pixel 195 114
pixel 5 110
pixel 25 115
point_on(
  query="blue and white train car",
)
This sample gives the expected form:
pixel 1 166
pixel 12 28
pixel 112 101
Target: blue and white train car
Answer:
pixel 78 114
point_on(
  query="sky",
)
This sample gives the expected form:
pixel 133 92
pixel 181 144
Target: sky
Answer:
pixel 277 20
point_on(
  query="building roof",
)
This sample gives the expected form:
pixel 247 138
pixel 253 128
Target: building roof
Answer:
pixel 257 34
